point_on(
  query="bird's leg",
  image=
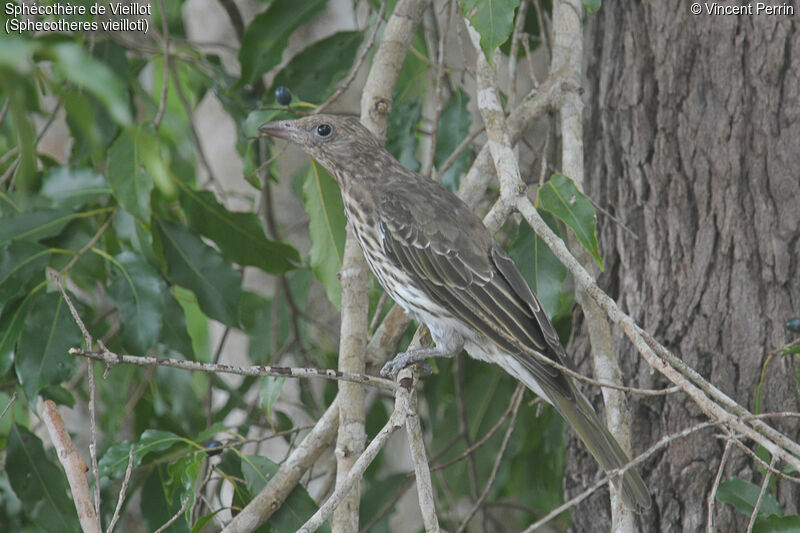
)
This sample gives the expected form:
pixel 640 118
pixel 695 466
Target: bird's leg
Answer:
pixel 404 359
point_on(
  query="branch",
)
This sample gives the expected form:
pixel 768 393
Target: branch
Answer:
pixel 546 97
pixel 395 422
pixel 74 466
pixel 376 98
pixel 362 55
pixel 352 436
pixel 112 359
pixel 567 56
pixel 422 471
pixel 271 497
pixel 354 273
pixel 764 485
pixel 515 402
pixel 664 361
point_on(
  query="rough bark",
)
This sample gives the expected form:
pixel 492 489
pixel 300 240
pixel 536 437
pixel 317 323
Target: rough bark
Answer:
pixel 691 129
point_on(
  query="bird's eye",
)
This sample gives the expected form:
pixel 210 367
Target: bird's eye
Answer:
pixel 323 130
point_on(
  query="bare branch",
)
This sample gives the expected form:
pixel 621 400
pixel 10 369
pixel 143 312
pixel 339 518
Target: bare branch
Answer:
pixel 515 402
pixel 74 466
pixel 288 475
pixel 764 485
pixel 713 493
pixel 112 358
pixel 362 55
pixel 395 422
pixel 422 472
pixel 122 492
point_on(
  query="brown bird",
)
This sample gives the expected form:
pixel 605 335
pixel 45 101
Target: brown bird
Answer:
pixel 436 259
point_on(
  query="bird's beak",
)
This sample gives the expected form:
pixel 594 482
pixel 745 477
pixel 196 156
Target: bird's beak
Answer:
pixel 282 129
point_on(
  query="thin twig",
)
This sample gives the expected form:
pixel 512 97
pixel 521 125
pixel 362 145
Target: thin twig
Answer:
pixel 93 434
pixel 427 165
pixel 395 422
pixel 517 35
pixel 4 110
pixel 9 404
pixel 112 358
pixel 765 465
pixel 712 495
pixel 376 316
pixel 288 475
pixel 176 515
pixel 459 150
pixel 122 491
pixel 463 426
pixel 201 154
pixel 764 485
pixel 517 401
pixel 362 55
pixel 162 104
pixel 483 440
pixel 89 245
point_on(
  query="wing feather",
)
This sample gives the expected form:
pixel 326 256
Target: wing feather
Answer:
pixel 489 294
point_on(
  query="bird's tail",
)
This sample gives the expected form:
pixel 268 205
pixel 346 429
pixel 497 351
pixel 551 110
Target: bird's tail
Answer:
pixel 603 446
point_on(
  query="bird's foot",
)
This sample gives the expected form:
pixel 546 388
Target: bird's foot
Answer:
pixel 404 359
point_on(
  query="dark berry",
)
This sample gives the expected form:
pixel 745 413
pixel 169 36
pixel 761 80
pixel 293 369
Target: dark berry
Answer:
pixel 793 324
pixel 283 95
pixel 214 447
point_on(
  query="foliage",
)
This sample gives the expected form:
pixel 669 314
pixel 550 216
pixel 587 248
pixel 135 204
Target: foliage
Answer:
pixel 744 496
pixel 144 236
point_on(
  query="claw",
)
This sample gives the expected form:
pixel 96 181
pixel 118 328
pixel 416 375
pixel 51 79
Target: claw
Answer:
pixel 395 365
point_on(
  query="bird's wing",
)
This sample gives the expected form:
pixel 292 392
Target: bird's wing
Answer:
pixel 459 265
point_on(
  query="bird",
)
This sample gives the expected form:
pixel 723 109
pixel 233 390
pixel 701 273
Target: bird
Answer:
pixel 437 260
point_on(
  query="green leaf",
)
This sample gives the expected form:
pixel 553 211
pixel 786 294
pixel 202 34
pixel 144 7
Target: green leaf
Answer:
pixel 12 322
pixel 412 82
pixel 20 261
pixel 129 180
pixel 34 225
pixel 453 128
pixel 492 19
pixel 39 483
pixel 401 139
pixel 16 53
pixel 198 267
pixel 42 356
pixel 592 5
pixel 114 461
pixel 205 520
pixel 139 294
pixel 72 188
pixel 174 333
pixel 743 495
pixel 560 197
pixel 297 508
pixel 777 524
pixel 240 236
pixel 539 266
pixel 326 225
pixel 256 118
pixel 158 504
pixel 255 314
pixel 267 35
pixel 270 392
pixel 311 74
pixel 21 106
pixel 84 71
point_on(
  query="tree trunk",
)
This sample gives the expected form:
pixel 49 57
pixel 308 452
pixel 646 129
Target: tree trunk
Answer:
pixel 692 129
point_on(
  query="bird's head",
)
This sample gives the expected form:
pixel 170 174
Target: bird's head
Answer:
pixel 333 140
